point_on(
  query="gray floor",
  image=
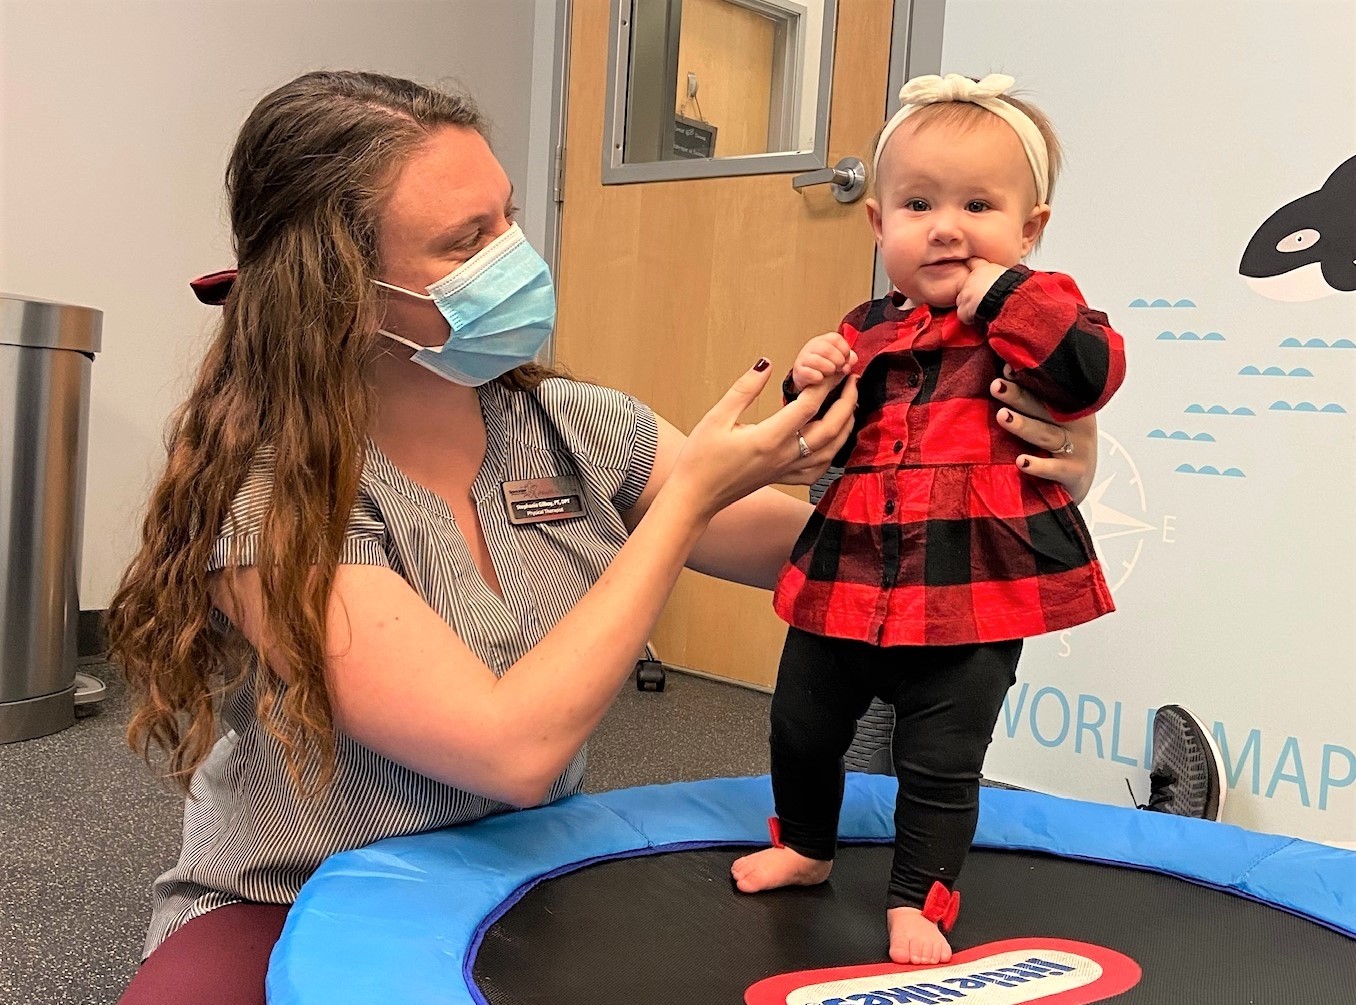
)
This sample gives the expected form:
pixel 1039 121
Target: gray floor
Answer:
pixel 85 826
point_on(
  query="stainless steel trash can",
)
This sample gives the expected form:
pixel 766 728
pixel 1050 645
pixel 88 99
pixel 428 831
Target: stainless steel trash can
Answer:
pixel 46 355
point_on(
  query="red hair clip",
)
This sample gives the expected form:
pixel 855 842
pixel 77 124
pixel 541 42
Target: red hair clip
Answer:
pixel 214 287
pixel 942 906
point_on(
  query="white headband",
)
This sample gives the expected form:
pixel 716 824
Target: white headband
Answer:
pixel 931 89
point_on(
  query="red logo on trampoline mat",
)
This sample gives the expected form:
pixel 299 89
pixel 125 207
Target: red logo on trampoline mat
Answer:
pixel 1013 972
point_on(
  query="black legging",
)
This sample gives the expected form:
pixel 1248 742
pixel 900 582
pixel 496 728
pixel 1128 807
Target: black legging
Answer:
pixel 946 701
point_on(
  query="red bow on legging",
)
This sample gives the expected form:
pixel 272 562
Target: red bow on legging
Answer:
pixel 774 829
pixel 942 906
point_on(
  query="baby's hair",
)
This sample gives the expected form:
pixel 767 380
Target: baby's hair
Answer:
pixel 965 114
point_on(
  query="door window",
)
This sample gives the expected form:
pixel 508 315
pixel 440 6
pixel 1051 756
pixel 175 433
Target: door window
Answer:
pixel 707 88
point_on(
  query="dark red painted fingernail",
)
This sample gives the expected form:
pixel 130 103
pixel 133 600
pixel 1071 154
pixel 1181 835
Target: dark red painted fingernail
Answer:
pixel 1008 416
pixel 1026 462
pixel 761 365
pixel 1002 388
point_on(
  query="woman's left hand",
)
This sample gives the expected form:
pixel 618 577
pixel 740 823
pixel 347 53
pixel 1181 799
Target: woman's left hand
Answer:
pixel 1024 416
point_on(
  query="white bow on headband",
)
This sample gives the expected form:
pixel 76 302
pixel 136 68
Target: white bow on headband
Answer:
pixel 987 94
pixel 930 89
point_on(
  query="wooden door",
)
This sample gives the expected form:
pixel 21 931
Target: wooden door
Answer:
pixel 669 290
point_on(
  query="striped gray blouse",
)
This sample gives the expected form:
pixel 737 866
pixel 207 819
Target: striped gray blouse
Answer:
pixel 247 834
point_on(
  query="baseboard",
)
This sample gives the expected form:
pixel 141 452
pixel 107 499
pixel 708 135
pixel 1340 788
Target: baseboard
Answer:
pixel 746 685
pixel 93 640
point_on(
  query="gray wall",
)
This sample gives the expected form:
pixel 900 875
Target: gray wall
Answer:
pixel 116 118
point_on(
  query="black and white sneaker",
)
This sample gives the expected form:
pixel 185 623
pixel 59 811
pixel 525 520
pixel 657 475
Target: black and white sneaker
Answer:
pixel 1185 777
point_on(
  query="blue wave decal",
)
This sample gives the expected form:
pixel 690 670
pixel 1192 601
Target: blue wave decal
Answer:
pixel 1210 469
pixel 1160 302
pixel 1218 410
pixel 1190 337
pixel 1317 343
pixel 1307 406
pixel 1180 434
pixel 1274 371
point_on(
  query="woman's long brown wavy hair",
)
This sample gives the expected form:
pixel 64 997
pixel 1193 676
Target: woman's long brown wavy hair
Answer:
pixel 306 182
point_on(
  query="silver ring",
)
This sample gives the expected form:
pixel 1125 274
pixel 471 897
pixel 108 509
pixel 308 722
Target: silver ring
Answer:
pixel 801 445
pixel 1068 444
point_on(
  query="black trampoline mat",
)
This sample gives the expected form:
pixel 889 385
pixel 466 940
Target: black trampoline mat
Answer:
pixel 670 929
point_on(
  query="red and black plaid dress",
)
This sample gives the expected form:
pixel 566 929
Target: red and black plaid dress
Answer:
pixel 933 536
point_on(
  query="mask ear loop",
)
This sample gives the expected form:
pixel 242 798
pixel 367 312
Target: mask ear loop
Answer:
pixel 407 343
pixel 401 289
pixel 397 338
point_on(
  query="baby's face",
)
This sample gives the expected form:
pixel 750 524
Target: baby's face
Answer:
pixel 947 194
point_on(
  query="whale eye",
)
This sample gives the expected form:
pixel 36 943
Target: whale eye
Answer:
pixel 1298 241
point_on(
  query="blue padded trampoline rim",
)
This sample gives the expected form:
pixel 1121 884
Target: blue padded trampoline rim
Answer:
pixel 1313 881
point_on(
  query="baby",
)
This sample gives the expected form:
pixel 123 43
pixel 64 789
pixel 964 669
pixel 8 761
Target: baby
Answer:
pixel 933 556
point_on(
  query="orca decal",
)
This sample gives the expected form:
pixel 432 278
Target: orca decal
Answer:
pixel 1307 248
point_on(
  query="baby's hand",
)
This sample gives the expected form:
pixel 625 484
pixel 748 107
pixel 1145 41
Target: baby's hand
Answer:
pixel 983 274
pixel 824 357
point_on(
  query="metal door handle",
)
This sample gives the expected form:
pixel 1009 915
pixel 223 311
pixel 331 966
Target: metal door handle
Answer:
pixel 848 178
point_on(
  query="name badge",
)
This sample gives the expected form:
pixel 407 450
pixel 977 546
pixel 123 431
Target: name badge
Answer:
pixel 541 500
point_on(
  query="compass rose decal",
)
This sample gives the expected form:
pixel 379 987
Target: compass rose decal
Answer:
pixel 1117 513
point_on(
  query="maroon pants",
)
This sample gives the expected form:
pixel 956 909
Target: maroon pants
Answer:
pixel 220 958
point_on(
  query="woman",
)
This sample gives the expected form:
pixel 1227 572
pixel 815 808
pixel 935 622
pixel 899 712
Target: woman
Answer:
pixel 348 618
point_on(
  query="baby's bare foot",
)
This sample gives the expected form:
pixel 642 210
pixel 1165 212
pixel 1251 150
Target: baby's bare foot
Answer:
pixel 914 939
pixel 774 867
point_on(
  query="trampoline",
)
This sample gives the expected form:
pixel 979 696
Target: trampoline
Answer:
pixel 625 897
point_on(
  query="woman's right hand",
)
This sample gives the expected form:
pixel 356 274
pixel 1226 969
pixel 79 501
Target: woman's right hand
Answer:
pixel 724 459
pixel 1026 417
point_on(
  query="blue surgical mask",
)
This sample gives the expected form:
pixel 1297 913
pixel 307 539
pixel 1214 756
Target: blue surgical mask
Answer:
pixel 500 307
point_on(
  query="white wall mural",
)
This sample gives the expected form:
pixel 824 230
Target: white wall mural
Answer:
pixel 1209 207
